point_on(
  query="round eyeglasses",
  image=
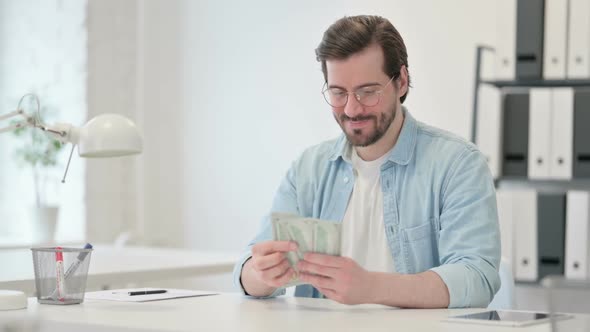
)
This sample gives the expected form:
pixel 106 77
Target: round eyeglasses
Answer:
pixel 366 95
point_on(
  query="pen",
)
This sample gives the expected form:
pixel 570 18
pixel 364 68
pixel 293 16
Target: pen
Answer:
pixel 59 269
pixel 73 267
pixel 147 292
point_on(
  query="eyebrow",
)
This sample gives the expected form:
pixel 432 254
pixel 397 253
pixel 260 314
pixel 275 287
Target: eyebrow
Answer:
pixel 355 88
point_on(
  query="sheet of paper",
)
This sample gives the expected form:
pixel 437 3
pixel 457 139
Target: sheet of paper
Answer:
pixel 123 294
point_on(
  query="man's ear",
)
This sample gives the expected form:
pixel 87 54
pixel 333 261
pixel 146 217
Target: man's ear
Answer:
pixel 403 80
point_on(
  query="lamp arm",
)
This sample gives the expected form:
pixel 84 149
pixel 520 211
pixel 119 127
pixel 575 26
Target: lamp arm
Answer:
pixel 60 132
pixel 29 121
pixel 12 114
pixel 11 128
pixel 63 132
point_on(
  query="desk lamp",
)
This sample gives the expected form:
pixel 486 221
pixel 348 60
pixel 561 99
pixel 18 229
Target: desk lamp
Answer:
pixel 106 135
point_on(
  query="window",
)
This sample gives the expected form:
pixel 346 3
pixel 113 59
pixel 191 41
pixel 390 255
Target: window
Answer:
pixel 42 50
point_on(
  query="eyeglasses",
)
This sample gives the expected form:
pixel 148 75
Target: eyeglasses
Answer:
pixel 366 96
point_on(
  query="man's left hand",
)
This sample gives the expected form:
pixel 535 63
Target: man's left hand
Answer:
pixel 338 278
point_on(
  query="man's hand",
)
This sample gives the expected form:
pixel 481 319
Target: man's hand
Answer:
pixel 338 278
pixel 268 268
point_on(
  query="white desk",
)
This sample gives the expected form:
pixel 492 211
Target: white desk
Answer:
pixel 233 312
pixel 121 265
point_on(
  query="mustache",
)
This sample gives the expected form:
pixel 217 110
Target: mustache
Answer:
pixel 344 117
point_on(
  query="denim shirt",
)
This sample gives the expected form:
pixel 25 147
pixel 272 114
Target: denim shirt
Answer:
pixel 439 208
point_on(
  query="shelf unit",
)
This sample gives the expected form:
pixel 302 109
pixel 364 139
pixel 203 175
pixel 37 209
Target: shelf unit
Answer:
pixel 546 189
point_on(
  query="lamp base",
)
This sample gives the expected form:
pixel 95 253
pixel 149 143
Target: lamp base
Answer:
pixel 12 300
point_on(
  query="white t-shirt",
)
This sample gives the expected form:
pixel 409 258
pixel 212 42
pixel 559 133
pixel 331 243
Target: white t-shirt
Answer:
pixel 363 231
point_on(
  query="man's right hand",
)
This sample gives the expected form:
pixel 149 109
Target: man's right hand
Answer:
pixel 268 268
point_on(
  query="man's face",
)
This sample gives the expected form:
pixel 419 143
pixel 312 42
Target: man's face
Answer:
pixel 363 72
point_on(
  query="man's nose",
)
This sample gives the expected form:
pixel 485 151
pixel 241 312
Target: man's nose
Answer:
pixel 353 108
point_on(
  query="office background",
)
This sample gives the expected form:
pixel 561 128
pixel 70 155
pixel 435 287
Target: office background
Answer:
pixel 226 93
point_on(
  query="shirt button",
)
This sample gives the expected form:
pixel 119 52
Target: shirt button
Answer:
pixel 345 179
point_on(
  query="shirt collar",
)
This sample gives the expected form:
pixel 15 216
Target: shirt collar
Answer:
pixel 402 151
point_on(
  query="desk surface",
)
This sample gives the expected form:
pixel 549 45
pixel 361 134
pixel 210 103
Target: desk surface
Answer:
pixel 233 312
pixel 121 265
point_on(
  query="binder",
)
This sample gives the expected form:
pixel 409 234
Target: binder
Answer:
pixel 578 53
pixel 562 133
pixel 551 234
pixel 539 133
pixel 505 219
pixel 524 214
pixel 555 37
pixel 577 237
pixel 581 133
pixel 515 128
pixel 489 126
pixel 529 39
pixel 506 40
pixel 488 66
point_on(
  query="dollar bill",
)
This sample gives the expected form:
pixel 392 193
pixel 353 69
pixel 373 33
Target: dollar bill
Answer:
pixel 310 234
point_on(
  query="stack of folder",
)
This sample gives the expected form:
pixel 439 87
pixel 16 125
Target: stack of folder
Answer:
pixel 545 233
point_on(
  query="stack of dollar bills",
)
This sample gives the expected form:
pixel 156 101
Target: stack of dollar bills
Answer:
pixel 311 235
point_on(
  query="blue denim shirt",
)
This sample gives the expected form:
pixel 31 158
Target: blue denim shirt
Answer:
pixel 439 208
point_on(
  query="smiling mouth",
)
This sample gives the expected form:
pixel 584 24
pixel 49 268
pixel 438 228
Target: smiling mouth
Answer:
pixel 357 123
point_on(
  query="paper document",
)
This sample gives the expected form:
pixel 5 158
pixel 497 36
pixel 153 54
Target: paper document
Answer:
pixel 124 294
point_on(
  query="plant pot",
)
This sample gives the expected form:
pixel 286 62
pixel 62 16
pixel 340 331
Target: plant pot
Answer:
pixel 44 223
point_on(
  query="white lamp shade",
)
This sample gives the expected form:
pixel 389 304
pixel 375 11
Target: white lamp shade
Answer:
pixel 109 135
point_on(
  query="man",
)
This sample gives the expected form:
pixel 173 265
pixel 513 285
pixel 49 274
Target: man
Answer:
pixel 417 204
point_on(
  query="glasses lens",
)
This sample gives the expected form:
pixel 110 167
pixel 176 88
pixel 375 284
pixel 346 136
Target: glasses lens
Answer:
pixel 369 99
pixel 335 97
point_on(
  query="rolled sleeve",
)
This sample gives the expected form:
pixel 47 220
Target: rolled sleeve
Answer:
pixel 468 287
pixel 469 242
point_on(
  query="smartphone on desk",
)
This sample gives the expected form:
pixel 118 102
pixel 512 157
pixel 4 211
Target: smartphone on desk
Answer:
pixel 507 318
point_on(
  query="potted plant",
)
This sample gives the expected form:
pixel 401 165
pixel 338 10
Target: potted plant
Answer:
pixel 39 152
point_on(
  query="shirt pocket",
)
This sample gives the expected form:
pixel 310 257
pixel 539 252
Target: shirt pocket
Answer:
pixel 418 232
pixel 420 248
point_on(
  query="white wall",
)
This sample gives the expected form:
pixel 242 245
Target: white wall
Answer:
pixel 228 94
pixel 112 184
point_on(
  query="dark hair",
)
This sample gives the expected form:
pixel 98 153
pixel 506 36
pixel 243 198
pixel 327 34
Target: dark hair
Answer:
pixel 350 35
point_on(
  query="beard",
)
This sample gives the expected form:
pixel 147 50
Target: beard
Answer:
pixel 370 134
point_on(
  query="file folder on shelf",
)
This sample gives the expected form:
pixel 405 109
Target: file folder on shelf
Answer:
pixel 577 237
pixel 551 233
pixel 578 53
pixel 555 37
pixel 505 219
pixel 581 158
pixel 537 223
pixel 489 124
pixel 515 128
pixel 551 133
pixel 524 214
pixel 561 145
pixel 529 39
pixel 506 40
pixel 539 133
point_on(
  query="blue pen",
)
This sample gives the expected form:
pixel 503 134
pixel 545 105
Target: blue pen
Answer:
pixel 74 266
